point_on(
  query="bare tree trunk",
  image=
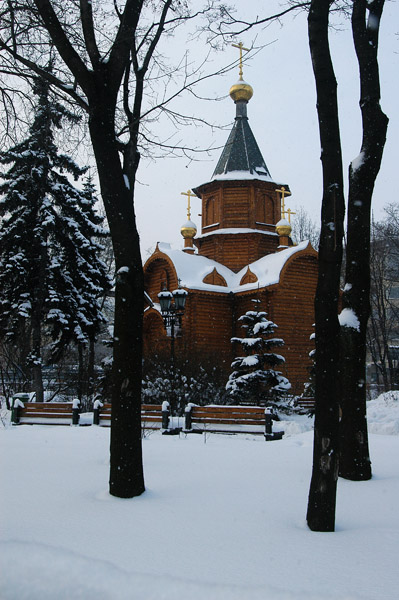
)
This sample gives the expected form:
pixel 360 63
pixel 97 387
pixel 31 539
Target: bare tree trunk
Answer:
pixel 322 494
pixel 126 470
pixel 36 324
pixel 90 366
pixel 36 356
pixel 354 454
pixel 80 372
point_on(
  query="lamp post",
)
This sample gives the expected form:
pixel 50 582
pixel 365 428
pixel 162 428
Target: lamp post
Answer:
pixel 172 310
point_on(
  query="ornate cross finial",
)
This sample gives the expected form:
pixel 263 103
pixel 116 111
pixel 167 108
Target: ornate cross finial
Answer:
pixel 188 194
pixel 289 213
pixel 241 48
pixel 284 193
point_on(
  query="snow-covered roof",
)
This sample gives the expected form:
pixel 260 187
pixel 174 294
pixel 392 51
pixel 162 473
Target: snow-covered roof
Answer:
pixel 191 269
pixel 241 154
pixel 268 268
pixel 258 173
pixel 241 158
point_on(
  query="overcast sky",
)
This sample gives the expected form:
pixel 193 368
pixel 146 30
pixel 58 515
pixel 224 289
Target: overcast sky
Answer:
pixel 282 115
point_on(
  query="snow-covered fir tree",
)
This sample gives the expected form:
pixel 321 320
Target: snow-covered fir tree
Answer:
pixel 51 276
pixel 254 378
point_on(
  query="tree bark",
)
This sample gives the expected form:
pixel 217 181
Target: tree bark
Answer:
pixel 36 357
pixel 36 321
pixel 126 471
pixel 80 372
pixel 354 452
pixel 90 366
pixel 322 494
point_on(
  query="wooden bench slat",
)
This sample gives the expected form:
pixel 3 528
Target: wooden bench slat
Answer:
pixel 143 417
pixel 306 403
pixel 243 415
pixel 228 414
pixel 62 422
pixel 41 405
pixel 48 409
pixel 231 409
pixel 52 415
pixel 229 421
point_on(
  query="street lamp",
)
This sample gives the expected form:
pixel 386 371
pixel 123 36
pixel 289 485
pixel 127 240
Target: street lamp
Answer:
pixel 172 310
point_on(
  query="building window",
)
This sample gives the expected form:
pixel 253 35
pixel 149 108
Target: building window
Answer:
pixel 211 211
pixel 164 280
pixel 265 210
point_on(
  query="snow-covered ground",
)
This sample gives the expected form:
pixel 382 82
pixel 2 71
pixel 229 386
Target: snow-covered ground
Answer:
pixel 223 517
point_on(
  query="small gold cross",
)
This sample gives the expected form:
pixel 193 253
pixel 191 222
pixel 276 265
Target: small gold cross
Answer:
pixel 241 48
pixel 289 213
pixel 188 194
pixel 283 193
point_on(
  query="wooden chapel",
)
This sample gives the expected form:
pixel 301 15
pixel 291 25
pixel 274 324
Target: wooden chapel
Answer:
pixel 243 252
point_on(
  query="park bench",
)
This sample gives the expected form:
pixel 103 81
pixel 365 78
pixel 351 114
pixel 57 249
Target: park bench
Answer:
pixel 45 413
pixel 67 413
pixel 217 419
pixel 231 419
pixel 151 415
pixel 305 404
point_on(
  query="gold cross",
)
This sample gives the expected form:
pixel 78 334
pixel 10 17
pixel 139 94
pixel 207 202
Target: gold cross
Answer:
pixel 289 213
pixel 188 194
pixel 283 193
pixel 241 48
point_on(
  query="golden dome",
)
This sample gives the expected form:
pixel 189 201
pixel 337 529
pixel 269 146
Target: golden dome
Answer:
pixel 241 91
pixel 283 228
pixel 188 230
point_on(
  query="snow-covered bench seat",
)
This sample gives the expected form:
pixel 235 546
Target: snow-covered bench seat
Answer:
pixel 45 413
pixel 231 419
pixel 151 415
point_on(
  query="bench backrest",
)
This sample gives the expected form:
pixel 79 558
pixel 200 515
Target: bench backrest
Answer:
pixel 150 413
pixel 231 412
pixel 35 408
pixel 225 415
pixel 306 403
pixel 55 413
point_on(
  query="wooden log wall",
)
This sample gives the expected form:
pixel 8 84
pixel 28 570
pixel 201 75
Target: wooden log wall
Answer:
pixel 237 250
pixel 207 326
pixel 293 312
pixel 250 204
pixel 211 320
pixel 155 341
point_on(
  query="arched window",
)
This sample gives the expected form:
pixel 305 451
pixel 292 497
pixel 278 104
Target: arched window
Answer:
pixel 260 209
pixel 211 211
pixel 269 211
pixel 163 280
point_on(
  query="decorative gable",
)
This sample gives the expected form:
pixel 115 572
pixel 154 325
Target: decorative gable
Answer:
pixel 249 277
pixel 215 278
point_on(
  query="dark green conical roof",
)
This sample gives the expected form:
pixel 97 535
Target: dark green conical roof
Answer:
pixel 241 152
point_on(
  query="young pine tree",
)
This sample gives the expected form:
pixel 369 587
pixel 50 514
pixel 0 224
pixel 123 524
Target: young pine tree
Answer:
pixel 50 274
pixel 254 378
